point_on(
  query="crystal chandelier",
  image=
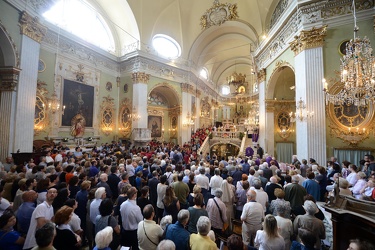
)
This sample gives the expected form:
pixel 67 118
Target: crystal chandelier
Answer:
pixel 188 121
pixel 301 113
pixel 357 71
pixel 134 115
pixel 252 122
pixel 54 104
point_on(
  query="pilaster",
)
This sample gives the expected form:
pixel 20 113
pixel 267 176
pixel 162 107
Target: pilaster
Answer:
pixel 8 85
pixel 311 133
pixel 261 76
pixel 32 32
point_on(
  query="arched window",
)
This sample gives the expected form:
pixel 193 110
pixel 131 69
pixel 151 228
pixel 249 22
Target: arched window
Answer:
pixel 166 46
pixel 204 73
pixel 225 90
pixel 81 19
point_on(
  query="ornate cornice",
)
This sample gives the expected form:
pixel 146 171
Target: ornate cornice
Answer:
pixel 344 7
pixel 261 75
pixel 218 14
pixel 31 27
pixel 308 39
pixel 9 78
pixel 140 77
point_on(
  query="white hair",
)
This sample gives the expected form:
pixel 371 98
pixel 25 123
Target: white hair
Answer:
pixel 99 193
pixel 166 245
pixel 104 237
pixel 165 220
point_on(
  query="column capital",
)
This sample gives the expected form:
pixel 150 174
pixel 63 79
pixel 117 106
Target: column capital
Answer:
pixel 9 78
pixel 140 77
pixel 308 39
pixel 261 75
pixel 187 88
pixel 31 27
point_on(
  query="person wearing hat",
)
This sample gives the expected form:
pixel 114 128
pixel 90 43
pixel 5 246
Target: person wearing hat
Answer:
pixel 310 222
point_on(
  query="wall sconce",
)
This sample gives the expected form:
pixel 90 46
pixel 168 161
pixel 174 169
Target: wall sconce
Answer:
pixel 107 130
pixel 301 114
pixel 54 104
pixel 285 133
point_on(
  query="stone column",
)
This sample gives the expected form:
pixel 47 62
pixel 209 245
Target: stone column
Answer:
pixel 261 80
pixel 309 71
pixel 141 134
pixel 8 86
pixel 32 33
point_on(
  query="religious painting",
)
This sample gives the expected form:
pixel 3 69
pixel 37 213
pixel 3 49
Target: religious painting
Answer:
pixel 126 88
pixel 78 99
pixel 154 124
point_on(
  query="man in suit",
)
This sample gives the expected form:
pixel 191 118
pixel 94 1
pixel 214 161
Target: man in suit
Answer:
pixel 153 184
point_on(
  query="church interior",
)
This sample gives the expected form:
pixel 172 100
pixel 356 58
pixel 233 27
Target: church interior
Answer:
pixel 138 71
pixel 274 73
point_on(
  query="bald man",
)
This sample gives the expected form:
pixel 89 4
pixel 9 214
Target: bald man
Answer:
pixel 26 210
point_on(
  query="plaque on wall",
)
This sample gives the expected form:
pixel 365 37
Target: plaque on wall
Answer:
pixel 108 86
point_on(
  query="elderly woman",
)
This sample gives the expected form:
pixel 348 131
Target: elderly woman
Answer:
pixel 9 239
pixel 269 238
pixel 103 238
pixel 196 212
pixel 202 240
pixel 344 187
pixel 280 202
pixel 366 191
pixel 217 212
pixel 284 224
pixel 65 237
pixel 361 183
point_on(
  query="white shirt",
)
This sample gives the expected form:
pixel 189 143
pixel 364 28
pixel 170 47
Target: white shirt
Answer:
pixel 266 243
pixel 130 170
pixel 352 178
pixel 43 210
pixel 58 158
pixel 94 209
pixel 202 181
pixel 153 231
pixel 131 215
pixel 262 197
pixel 215 183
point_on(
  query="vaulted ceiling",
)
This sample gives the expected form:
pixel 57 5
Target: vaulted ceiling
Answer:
pixel 221 49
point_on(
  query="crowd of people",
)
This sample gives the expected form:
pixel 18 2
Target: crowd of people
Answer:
pixel 163 196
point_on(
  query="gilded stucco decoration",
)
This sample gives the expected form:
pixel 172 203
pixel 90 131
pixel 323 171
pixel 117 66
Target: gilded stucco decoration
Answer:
pixel 107 112
pixel 140 77
pixel 31 27
pixel 339 8
pixel 218 14
pixel 9 78
pixel 125 121
pixel 186 87
pixel 308 39
pixel 261 75
pixel 205 108
pixel 350 123
pixel 281 109
pixel 41 121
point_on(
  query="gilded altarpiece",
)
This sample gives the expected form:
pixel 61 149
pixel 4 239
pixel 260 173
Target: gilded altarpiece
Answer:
pixel 283 127
pixel 41 122
pixel 125 121
pixel 107 112
pixel 350 123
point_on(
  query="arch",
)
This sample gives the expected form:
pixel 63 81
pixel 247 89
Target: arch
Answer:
pixel 276 73
pixel 169 92
pixel 8 49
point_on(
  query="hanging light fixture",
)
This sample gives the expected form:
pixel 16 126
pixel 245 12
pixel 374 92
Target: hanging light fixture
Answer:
pixel 357 71
pixel 134 115
pixel 54 104
pixel 301 113
pixel 189 122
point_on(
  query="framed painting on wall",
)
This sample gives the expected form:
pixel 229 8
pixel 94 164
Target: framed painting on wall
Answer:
pixel 78 98
pixel 155 125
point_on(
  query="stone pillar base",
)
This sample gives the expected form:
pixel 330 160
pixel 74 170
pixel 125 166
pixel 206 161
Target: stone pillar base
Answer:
pixel 141 136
